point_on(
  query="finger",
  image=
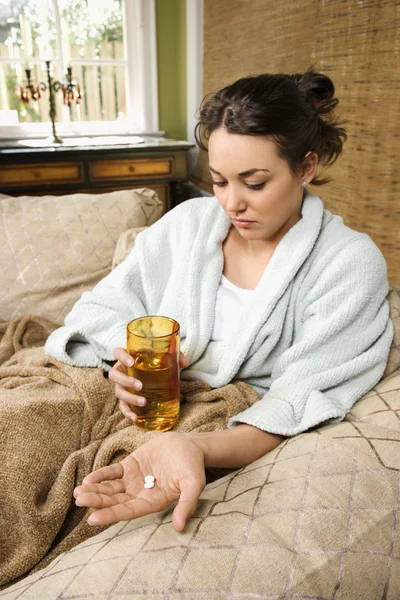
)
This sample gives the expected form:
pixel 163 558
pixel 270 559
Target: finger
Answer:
pixel 183 361
pixel 121 378
pixel 122 355
pixel 108 473
pixel 126 411
pixel 132 509
pixel 100 501
pixel 186 506
pixel 109 488
pixel 118 366
pixel 128 397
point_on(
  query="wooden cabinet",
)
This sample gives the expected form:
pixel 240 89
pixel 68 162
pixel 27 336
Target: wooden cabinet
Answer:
pixel 39 174
pixel 159 164
pixel 112 170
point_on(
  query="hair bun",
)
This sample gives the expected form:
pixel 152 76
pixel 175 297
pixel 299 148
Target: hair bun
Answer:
pixel 318 89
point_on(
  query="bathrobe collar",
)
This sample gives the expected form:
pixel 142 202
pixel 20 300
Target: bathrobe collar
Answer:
pixel 291 252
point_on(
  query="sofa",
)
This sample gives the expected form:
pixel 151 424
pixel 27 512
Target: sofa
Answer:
pixel 316 518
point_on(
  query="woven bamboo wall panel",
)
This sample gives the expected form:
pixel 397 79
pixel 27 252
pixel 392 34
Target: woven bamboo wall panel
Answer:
pixel 357 43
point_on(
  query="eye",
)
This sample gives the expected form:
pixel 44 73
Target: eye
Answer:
pixel 256 186
pixel 219 183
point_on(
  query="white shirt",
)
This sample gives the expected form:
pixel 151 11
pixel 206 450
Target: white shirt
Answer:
pixel 231 301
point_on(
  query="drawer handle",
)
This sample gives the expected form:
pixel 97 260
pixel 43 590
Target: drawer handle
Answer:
pixel 36 174
pixel 131 168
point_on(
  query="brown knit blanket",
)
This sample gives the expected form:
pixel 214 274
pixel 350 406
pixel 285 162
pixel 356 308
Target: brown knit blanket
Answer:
pixel 57 424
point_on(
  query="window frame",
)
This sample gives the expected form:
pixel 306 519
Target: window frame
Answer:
pixel 141 83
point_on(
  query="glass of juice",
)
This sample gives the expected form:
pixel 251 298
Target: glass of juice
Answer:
pixel 153 343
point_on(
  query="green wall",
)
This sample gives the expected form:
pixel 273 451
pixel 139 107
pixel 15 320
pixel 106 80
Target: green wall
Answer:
pixel 171 60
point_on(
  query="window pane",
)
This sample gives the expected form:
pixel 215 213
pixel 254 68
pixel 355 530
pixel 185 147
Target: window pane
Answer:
pixel 35 110
pixel 87 30
pixel 95 28
pixel 103 92
pixel 27 29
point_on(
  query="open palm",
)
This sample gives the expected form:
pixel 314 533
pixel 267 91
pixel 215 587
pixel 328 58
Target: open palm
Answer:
pixel 117 492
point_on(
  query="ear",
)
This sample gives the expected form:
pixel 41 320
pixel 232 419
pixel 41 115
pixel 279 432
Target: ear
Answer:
pixel 309 167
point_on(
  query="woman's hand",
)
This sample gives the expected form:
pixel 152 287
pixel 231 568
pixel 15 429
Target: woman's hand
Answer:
pixel 124 383
pixel 177 464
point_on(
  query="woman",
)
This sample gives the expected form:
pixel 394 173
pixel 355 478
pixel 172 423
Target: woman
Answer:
pixel 269 288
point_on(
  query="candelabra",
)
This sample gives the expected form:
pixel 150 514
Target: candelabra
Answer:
pixel 53 86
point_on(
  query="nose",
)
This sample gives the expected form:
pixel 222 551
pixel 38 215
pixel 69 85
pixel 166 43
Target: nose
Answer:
pixel 234 200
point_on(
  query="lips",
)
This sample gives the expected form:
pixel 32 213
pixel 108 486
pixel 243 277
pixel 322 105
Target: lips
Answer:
pixel 242 223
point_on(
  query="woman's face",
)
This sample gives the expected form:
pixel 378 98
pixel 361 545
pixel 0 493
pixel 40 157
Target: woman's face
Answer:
pixel 254 185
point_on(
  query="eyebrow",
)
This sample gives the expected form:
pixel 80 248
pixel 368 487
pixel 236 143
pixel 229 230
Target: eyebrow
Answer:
pixel 243 174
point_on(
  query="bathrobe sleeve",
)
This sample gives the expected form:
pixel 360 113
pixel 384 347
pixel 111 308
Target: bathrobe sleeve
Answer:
pixel 167 272
pixel 340 347
pixel 97 323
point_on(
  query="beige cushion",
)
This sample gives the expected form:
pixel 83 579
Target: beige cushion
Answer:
pixel 125 243
pixel 54 248
pixel 393 363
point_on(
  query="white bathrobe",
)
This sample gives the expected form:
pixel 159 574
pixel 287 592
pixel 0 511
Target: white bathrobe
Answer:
pixel 314 338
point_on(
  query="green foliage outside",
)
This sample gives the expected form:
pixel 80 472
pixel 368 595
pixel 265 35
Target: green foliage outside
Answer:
pixel 107 27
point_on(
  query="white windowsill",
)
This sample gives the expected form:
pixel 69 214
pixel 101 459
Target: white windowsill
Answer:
pixel 43 130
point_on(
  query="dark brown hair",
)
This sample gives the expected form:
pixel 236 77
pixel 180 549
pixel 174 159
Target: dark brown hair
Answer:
pixel 295 110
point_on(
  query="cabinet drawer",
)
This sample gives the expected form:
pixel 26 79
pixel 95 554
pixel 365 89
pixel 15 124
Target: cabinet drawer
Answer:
pixel 138 168
pixel 41 174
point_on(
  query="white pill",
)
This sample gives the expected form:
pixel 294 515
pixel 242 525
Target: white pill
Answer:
pixel 149 484
pixel 149 478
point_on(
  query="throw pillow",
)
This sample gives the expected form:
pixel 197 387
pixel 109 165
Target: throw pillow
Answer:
pixel 125 243
pixel 54 248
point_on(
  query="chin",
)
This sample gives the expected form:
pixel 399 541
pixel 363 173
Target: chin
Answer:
pixel 250 234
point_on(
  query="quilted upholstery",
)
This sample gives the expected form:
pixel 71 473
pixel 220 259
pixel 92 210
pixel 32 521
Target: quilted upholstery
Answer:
pixel 53 248
pixel 315 518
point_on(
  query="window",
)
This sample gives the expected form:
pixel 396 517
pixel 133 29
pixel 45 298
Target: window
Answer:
pixel 110 48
